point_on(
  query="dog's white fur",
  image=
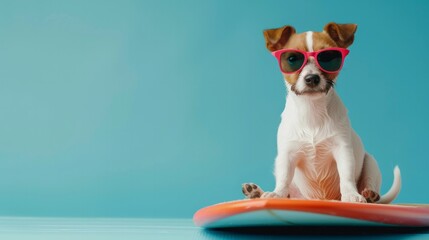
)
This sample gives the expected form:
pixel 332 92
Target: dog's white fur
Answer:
pixel 319 154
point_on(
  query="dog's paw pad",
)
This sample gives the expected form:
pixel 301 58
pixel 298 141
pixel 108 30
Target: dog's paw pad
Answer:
pixel 251 190
pixel 370 195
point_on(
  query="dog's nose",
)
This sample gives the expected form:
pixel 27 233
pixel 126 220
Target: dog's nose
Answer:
pixel 312 80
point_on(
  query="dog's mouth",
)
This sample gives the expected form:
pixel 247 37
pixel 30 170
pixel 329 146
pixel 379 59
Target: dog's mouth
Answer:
pixel 314 91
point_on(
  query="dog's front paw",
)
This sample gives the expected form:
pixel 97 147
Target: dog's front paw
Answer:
pixel 251 190
pixel 271 195
pixel 353 197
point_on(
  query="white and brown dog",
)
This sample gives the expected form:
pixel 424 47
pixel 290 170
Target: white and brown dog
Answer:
pixel 319 154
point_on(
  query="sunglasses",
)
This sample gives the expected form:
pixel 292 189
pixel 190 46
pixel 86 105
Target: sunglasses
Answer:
pixel 329 60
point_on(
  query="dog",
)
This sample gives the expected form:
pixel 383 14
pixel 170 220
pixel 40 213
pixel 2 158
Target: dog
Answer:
pixel 319 155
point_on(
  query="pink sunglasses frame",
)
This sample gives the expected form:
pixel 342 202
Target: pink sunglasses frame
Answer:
pixel 277 54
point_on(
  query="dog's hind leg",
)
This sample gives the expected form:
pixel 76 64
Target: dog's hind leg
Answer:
pixel 370 180
pixel 251 190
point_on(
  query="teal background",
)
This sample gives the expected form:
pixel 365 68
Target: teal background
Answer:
pixel 158 108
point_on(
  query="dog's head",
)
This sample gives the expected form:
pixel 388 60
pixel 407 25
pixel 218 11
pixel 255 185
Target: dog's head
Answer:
pixel 306 74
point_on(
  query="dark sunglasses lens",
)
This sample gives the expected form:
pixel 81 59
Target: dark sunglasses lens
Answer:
pixel 330 60
pixel 291 61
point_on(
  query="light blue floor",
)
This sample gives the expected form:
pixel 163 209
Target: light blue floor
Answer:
pixel 129 229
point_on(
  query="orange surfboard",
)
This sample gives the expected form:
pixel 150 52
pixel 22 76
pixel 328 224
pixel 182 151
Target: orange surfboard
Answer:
pixel 291 212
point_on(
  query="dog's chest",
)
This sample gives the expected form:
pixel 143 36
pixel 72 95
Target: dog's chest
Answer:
pixel 317 173
pixel 315 151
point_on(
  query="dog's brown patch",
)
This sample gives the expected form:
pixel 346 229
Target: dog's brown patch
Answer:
pixel 296 41
pixel 322 40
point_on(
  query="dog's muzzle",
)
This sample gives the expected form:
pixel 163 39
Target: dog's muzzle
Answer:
pixel 312 80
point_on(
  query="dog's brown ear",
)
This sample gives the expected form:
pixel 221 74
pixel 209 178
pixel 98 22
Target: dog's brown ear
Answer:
pixel 277 38
pixel 342 34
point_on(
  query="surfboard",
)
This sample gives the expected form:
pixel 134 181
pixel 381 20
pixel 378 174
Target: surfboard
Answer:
pixel 292 212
